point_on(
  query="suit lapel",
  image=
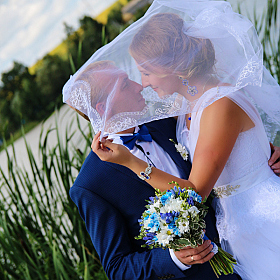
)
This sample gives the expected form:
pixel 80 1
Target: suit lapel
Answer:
pixel 162 139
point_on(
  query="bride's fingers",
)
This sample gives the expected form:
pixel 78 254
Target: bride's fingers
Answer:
pixel 103 139
pixel 95 145
pixel 107 143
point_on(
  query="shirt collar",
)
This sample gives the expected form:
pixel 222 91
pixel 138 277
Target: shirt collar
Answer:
pixel 117 136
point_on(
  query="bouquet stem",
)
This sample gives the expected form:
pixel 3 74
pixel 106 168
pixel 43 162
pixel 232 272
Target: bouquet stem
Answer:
pixel 222 262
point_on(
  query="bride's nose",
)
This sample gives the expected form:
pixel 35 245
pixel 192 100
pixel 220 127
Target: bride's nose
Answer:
pixel 145 81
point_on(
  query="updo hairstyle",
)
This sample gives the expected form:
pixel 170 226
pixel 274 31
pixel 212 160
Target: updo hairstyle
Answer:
pixel 162 47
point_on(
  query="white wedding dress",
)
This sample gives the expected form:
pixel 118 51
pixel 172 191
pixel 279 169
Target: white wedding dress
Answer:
pixel 248 203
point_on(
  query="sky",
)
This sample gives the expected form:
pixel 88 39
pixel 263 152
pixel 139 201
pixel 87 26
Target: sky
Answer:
pixel 29 29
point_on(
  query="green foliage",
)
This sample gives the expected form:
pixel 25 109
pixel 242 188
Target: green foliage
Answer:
pixel 50 78
pixel 268 28
pixel 140 12
pixel 18 98
pixel 84 42
pixel 91 36
pixel 115 24
pixel 41 233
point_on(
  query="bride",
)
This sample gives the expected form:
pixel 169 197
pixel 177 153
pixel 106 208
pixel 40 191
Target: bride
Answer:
pixel 209 60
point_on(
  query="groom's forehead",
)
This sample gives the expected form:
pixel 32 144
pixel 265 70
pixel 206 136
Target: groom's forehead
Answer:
pixel 114 76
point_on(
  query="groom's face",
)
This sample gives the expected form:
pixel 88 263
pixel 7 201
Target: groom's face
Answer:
pixel 124 95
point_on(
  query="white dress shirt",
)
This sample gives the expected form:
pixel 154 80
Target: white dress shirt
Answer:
pixel 161 160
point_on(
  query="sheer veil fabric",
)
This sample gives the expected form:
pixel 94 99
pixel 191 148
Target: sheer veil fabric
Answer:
pixel 187 41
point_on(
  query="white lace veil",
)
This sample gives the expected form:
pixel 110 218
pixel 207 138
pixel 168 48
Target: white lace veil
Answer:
pixel 181 47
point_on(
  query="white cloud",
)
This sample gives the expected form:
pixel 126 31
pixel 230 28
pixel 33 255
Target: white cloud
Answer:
pixel 30 29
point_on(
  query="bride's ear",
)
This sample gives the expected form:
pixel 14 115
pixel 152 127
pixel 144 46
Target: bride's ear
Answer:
pixel 100 108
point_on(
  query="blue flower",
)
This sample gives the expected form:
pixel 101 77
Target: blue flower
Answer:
pixel 168 217
pixel 150 242
pixel 190 201
pixel 176 231
pixel 154 221
pixel 172 225
pixel 175 214
pixel 165 197
pixel 149 236
pixel 174 228
pixel 179 190
pixel 195 196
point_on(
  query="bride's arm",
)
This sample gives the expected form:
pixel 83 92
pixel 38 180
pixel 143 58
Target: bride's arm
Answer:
pixel 220 125
pixel 121 155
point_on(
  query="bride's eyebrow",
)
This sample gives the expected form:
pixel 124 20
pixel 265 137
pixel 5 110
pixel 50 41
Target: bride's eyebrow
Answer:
pixel 144 71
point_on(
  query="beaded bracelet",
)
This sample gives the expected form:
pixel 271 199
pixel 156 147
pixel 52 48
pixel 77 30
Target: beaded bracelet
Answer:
pixel 144 175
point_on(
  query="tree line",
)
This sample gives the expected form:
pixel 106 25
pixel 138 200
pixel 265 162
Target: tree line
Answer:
pixel 26 97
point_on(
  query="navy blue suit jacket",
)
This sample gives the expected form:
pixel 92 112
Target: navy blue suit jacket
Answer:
pixel 111 199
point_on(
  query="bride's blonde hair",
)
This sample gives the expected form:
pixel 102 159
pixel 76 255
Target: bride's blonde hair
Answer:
pixel 162 47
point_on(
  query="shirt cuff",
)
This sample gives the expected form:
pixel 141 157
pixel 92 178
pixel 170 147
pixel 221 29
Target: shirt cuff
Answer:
pixel 177 262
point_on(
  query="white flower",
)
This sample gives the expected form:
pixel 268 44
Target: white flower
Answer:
pixel 194 211
pixel 185 214
pixel 184 226
pixel 153 207
pixel 182 150
pixel 174 204
pixel 164 236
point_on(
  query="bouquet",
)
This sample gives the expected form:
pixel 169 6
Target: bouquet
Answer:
pixel 174 219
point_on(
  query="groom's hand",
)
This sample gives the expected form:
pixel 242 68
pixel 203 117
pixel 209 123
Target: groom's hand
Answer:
pixel 198 255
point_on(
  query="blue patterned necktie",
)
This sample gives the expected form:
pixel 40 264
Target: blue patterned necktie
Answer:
pixel 142 135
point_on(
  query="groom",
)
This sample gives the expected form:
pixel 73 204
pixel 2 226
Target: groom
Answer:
pixel 111 199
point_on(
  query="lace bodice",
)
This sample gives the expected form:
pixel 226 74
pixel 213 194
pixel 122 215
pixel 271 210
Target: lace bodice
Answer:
pixel 246 157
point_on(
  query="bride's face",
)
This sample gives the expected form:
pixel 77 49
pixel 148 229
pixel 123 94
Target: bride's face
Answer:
pixel 163 86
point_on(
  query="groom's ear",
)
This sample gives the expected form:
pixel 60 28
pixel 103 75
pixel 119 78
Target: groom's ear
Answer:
pixel 100 108
pixel 80 113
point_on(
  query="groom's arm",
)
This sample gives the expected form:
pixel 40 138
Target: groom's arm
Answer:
pixel 110 238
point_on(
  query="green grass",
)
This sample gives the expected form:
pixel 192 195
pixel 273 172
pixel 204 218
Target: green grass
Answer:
pixel 18 134
pixel 41 233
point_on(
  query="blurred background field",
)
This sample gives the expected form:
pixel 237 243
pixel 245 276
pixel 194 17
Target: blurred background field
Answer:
pixel 44 145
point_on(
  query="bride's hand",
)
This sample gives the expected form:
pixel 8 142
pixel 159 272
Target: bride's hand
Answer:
pixel 274 161
pixel 108 151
